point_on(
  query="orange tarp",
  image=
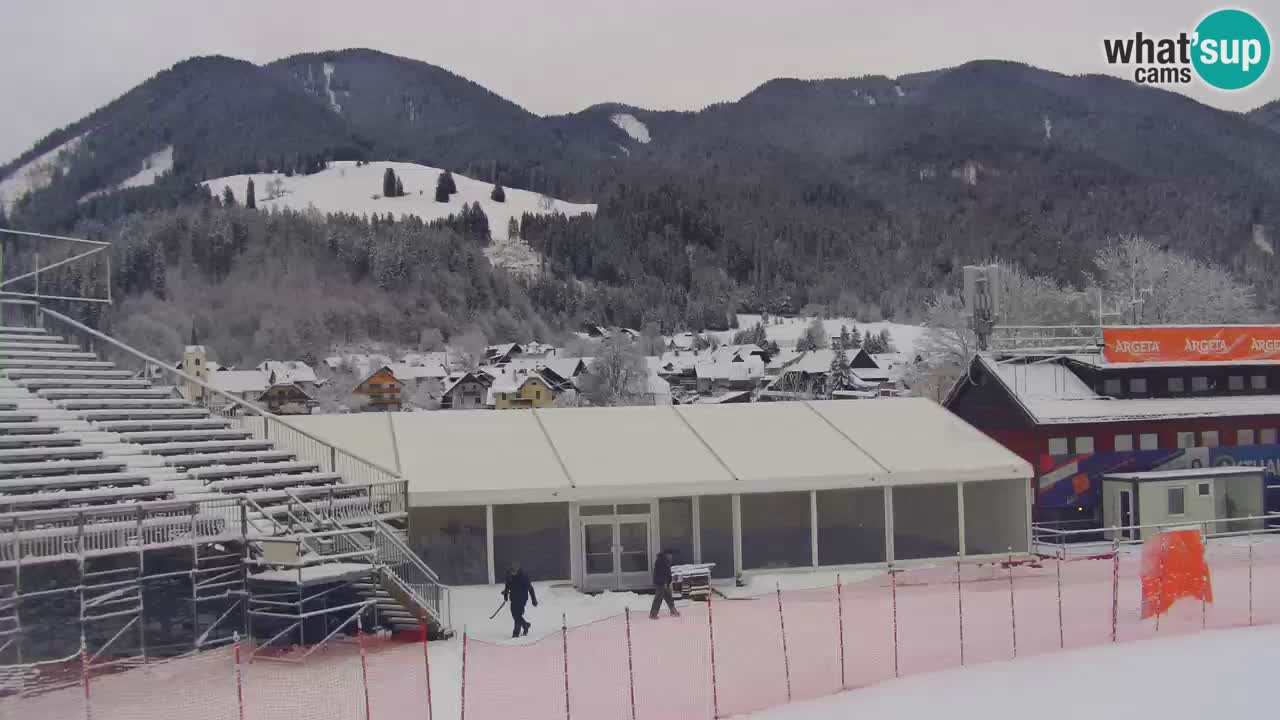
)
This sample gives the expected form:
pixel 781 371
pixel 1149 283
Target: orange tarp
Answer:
pixel 1173 567
pixel 1191 344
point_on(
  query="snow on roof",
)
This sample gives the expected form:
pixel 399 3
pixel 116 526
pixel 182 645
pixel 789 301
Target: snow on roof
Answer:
pixel 239 381
pixel 477 456
pixel 288 371
pixel 407 371
pixel 749 368
pixel 1187 473
pixel 1054 395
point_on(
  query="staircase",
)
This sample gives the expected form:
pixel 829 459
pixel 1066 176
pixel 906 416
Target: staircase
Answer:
pixel 80 432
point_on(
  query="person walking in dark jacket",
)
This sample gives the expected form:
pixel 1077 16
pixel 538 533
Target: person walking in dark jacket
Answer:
pixel 662 585
pixel 518 591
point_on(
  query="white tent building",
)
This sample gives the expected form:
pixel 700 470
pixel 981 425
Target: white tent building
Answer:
pixel 592 494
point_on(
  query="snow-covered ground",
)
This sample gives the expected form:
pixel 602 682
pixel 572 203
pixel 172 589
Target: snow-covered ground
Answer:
pixel 785 331
pixel 1220 674
pixel 633 126
pixel 344 187
pixel 153 166
pixel 35 174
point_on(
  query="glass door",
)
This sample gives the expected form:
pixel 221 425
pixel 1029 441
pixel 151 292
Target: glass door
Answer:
pixel 1125 502
pixel 633 554
pixel 600 569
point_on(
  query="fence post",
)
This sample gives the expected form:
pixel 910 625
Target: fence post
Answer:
pixel 1013 611
pixel 426 663
pixel 462 707
pixel 960 608
pixel 84 673
pixel 1062 642
pixel 364 667
pixel 840 627
pixel 1115 589
pixel 631 671
pixel 239 678
pixel 782 626
pixel 711 632
pixel 1160 586
pixel 893 590
pixel 564 652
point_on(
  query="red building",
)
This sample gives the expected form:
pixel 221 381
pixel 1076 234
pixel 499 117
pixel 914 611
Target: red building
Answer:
pixel 1078 417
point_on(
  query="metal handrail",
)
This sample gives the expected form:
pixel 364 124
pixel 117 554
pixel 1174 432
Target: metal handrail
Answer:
pixel 229 398
pixel 391 554
pixel 402 546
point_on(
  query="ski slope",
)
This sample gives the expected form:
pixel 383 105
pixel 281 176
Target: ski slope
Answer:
pixel 36 173
pixel 1220 674
pixel 786 330
pixel 344 187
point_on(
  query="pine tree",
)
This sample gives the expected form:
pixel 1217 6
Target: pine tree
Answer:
pixel 389 183
pixel 250 200
pixel 513 228
pixel 845 337
pixel 855 338
pixel 228 197
pixel 443 183
pixel 838 373
pixel 499 195
pixel 886 341
pixel 399 188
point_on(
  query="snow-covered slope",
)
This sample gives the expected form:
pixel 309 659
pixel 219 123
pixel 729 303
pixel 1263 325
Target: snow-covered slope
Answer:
pixel 632 126
pixel 785 331
pixel 155 165
pixel 344 187
pixel 1220 674
pixel 36 174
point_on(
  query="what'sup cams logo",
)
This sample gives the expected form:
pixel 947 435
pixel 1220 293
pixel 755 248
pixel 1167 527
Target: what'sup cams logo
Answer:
pixel 1228 50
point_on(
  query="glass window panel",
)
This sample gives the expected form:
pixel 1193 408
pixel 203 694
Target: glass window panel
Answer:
pixel 1177 501
pixel 451 540
pixel 995 517
pixel 1176 384
pixel 597 541
pixel 634 539
pixel 715 517
pixel 1186 439
pixel 1058 446
pixel 590 510
pixel 634 509
pixel 1149 441
pixel 1259 382
pixel 1084 445
pixel 926 522
pixel 675 517
pixel 1209 438
pixel 1267 436
pixel 1199 384
pixel 1137 385
pixel 1244 437
pixel 1124 443
pixel 851 526
pixel 536 535
pixel 1235 382
pixel 775 530
pixel 1112 386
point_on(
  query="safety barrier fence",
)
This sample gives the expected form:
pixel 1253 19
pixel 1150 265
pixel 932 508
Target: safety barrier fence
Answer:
pixel 717 659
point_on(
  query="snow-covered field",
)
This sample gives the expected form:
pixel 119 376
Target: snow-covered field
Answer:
pixel 632 126
pixel 785 331
pixel 1220 674
pixel 344 187
pixel 35 174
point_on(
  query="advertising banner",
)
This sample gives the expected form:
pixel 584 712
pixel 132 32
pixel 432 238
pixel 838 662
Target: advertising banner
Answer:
pixel 1191 344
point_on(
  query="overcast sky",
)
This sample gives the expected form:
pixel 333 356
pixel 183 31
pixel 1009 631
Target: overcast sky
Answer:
pixel 60 59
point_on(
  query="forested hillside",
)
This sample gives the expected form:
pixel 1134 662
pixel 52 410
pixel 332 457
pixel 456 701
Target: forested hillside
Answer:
pixel 858 195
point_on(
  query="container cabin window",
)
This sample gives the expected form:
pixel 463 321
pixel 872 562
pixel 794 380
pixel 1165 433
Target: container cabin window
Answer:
pixel 1177 385
pixel 1112 386
pixel 1084 445
pixel 1267 436
pixel 1124 443
pixel 1209 439
pixel 1244 437
pixel 1138 386
pixel 1203 489
pixel 1235 382
pixel 1148 441
pixel 1177 501
pixel 1058 446
pixel 1186 439
pixel 1258 382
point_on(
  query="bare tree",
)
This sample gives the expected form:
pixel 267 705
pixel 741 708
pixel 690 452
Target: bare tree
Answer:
pixel 1149 284
pixel 470 347
pixel 619 375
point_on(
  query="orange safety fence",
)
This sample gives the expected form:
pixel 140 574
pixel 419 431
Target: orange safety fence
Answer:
pixel 717 659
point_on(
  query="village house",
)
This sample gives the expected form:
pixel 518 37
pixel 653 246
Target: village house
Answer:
pixel 291 371
pixel 521 390
pixel 286 398
pixel 502 354
pixel 381 390
pixel 466 391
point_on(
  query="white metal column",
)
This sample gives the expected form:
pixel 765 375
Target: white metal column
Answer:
pixel 697 529
pixel 888 524
pixel 813 527
pixel 735 504
pixel 488 541
pixel 960 514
